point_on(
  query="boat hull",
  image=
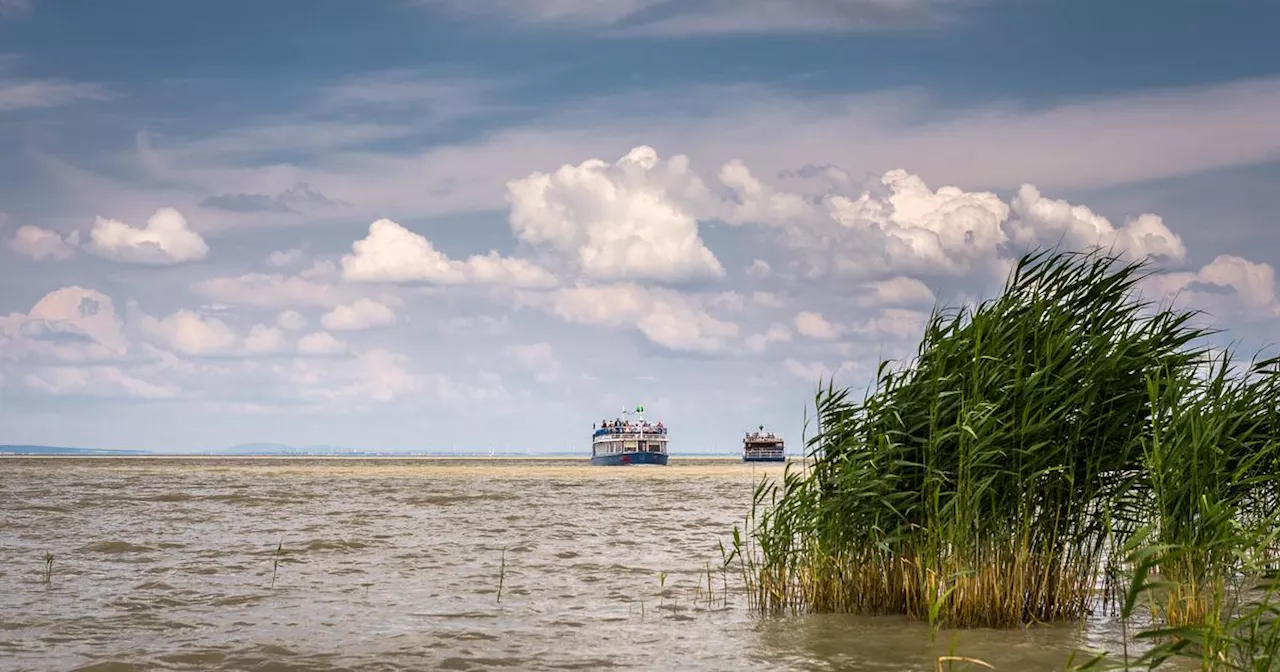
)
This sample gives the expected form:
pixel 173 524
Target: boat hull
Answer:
pixel 764 459
pixel 622 459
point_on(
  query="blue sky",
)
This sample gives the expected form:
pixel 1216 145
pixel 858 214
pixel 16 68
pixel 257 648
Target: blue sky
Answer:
pixel 420 224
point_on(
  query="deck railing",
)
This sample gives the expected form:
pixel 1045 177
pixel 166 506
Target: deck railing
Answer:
pixel 630 434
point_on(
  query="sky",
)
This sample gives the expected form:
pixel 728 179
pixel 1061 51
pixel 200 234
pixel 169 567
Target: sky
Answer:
pixel 472 224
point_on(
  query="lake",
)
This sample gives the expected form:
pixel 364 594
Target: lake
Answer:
pixel 396 564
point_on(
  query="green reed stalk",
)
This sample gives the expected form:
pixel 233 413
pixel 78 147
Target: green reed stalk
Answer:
pixel 275 562
pixel 502 573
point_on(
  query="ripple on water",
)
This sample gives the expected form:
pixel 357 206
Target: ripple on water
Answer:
pixel 396 565
pixel 115 546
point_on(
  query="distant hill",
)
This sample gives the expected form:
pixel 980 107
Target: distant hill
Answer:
pixel 59 450
pixel 282 449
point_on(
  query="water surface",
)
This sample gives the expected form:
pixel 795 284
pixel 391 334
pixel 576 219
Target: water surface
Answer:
pixel 169 564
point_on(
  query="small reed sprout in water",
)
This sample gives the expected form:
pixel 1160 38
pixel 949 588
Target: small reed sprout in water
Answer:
pixel 46 576
pixel 502 573
pixel 708 595
pixel 275 563
pixel 995 479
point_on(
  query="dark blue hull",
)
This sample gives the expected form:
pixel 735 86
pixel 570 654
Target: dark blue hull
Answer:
pixel 618 459
pixel 764 459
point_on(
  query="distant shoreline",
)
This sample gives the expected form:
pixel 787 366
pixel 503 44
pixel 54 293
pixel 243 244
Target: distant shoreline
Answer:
pixel 493 458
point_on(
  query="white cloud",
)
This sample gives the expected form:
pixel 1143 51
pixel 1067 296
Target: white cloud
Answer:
pixel 776 333
pixel 166 239
pixel 814 325
pixel 537 358
pixel 899 291
pixel 264 340
pixel 363 314
pixel 187 333
pixel 816 371
pixel 909 227
pixel 1255 283
pixel 72 324
pixel 286 258
pixel 635 219
pixel 893 325
pixel 1048 222
pixel 374 375
pixel 667 318
pixel 291 320
pixel 1229 286
pixel 766 300
pixel 321 271
pixel 392 253
pixel 754 201
pixel 759 268
pixel 320 343
pixel 40 243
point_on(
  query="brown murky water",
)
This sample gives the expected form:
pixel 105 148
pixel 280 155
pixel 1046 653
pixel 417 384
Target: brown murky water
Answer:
pixel 167 564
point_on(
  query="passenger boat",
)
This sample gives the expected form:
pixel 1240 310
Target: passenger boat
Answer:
pixel 761 447
pixel 629 441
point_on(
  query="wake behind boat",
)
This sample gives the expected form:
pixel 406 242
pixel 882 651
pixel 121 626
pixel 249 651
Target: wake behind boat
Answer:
pixel 631 441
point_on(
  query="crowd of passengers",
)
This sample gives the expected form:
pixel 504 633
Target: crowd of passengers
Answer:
pixel 625 427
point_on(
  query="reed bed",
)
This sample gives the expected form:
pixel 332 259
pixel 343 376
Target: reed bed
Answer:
pixel 996 478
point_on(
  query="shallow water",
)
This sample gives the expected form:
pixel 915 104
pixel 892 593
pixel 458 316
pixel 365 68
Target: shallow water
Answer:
pixel 168 564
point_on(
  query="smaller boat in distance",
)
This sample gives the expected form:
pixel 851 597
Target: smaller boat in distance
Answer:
pixel 631 441
pixel 758 446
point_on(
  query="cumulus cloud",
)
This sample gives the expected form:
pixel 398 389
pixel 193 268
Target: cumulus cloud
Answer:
pixel 636 219
pixel 392 253
pixel 320 343
pixel 1048 222
pixel 759 268
pixel 808 371
pixel 673 320
pixel 72 324
pixel 814 325
pixel 291 320
pixel 188 333
pixel 776 333
pixel 893 325
pixel 899 291
pixel 39 243
pixel 286 258
pixel 165 240
pixel 363 314
pixel 264 340
pixel 1229 286
pixel 374 375
pixel 909 227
